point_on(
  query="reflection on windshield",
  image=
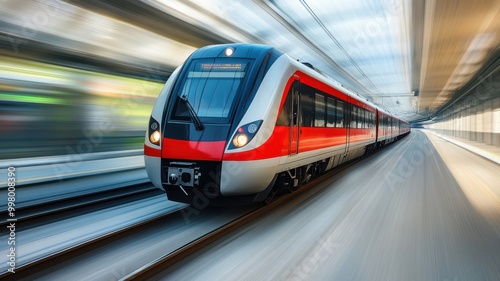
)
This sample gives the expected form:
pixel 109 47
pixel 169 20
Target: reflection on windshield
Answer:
pixel 211 86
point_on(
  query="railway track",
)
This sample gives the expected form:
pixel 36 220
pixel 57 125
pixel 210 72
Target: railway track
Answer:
pixel 168 258
pixel 93 201
pixel 156 267
pixel 34 266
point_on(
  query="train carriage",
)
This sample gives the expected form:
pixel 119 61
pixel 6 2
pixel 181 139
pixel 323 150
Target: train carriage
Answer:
pixel 236 123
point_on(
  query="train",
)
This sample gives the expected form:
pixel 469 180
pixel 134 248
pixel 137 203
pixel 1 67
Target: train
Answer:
pixel 240 123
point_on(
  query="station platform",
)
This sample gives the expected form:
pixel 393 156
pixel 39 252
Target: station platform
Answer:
pixel 489 152
pixel 61 167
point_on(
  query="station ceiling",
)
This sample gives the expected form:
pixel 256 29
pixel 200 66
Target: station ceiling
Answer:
pixel 410 57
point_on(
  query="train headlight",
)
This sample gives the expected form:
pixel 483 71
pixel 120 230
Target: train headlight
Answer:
pixel 155 137
pixel 154 131
pixel 229 52
pixel 244 134
pixel 240 140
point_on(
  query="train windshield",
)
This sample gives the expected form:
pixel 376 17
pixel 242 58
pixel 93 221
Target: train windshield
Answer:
pixel 211 86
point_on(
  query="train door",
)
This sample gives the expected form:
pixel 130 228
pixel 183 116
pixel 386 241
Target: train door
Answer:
pixel 347 118
pixel 295 122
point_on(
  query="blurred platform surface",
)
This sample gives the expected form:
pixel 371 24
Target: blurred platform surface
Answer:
pixel 421 209
pixel 56 168
pixel 489 152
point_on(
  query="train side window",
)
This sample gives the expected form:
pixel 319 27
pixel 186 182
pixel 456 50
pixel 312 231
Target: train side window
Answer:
pixel 285 114
pixel 330 112
pixel 361 122
pixel 368 119
pixel 319 120
pixel 354 117
pixel 365 123
pixel 362 118
pixel 339 112
pixel 307 108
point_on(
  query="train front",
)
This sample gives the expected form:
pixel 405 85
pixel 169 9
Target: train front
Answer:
pixel 196 117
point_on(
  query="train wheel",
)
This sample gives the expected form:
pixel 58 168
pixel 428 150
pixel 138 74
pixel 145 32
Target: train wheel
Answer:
pixel 290 182
pixel 308 173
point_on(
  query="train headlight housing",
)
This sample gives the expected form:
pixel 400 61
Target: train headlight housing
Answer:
pixel 155 137
pixel 245 134
pixel 228 52
pixel 240 140
pixel 154 131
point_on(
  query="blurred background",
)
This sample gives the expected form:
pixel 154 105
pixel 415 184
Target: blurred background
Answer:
pixel 78 80
pixel 81 76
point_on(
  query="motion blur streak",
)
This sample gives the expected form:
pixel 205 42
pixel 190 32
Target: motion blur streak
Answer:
pixel 479 186
pixel 47 109
pixel 58 23
pixel 69 74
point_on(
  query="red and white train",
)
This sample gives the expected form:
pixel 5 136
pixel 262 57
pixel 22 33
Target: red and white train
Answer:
pixel 240 122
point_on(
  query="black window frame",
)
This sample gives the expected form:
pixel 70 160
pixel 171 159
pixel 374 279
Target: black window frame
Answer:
pixel 177 103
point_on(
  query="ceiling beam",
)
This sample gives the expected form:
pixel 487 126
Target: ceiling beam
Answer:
pixel 354 84
pixel 152 19
pixel 417 41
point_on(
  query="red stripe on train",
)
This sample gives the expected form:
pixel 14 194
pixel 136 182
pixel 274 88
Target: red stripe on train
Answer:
pixel 310 139
pixel 275 146
pixel 150 151
pixel 192 150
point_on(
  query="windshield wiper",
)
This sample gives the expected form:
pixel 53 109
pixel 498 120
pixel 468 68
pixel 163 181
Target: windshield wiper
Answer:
pixel 197 122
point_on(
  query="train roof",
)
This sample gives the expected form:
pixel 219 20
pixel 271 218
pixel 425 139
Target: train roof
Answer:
pixel 310 70
pixel 258 50
pixel 242 50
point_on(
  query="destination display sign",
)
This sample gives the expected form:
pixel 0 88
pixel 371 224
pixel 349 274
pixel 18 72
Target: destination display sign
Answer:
pixel 223 66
